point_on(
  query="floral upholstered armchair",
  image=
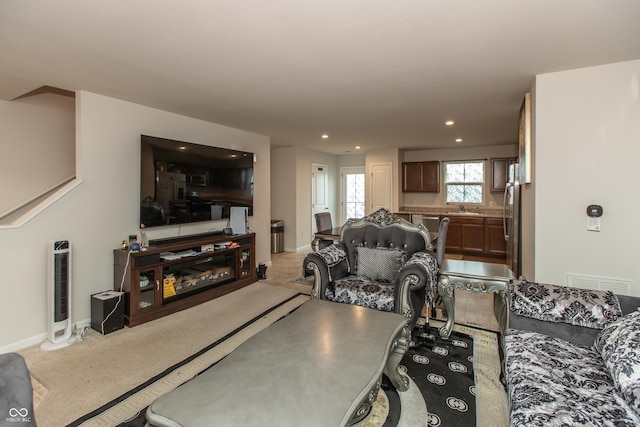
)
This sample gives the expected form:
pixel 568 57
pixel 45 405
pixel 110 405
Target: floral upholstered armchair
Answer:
pixel 382 262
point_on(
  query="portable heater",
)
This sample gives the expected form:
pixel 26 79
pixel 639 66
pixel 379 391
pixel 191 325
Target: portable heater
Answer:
pixel 59 326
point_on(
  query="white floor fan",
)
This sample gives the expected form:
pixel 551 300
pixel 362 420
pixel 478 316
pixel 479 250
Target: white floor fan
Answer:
pixel 59 326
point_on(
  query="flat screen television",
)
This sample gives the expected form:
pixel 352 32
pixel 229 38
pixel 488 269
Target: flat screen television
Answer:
pixel 183 182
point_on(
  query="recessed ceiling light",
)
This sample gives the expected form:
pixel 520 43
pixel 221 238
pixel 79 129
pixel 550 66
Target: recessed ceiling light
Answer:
pixel 459 140
pixel 449 123
pixel 357 147
pixel 325 136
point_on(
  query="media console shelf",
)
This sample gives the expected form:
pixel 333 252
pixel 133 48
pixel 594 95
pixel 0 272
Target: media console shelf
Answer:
pixel 173 276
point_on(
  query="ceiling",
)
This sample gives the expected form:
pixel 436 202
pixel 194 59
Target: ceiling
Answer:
pixel 377 74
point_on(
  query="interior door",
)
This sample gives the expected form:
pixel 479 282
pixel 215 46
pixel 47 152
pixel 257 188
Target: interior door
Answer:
pixel 319 192
pixel 381 186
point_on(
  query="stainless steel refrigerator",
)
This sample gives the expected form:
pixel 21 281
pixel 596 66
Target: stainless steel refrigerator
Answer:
pixel 511 220
pixel 170 187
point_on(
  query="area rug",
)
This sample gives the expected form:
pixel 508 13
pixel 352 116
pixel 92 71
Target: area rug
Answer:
pixel 128 409
pixel 457 381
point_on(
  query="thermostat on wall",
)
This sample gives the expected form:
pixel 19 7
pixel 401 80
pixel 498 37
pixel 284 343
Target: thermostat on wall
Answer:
pixel 594 211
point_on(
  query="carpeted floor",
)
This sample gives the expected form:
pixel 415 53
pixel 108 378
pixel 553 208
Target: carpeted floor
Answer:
pixel 86 375
pixel 454 378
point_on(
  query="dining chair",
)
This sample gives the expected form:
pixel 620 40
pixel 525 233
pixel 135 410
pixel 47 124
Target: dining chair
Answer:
pixel 323 221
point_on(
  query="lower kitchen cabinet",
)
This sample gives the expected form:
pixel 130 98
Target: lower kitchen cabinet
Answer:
pixel 475 236
pixel 494 243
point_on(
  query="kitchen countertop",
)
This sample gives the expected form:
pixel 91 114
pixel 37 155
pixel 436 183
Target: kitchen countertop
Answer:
pixel 471 213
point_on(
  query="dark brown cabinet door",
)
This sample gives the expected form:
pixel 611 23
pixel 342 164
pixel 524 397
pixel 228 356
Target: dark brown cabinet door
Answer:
pixel 411 177
pixel 465 235
pixel 500 173
pixel 473 235
pixel 476 236
pixel 421 177
pixel 454 237
pixel 494 243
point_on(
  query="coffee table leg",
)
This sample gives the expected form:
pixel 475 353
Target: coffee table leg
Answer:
pixel 398 349
pixel 446 292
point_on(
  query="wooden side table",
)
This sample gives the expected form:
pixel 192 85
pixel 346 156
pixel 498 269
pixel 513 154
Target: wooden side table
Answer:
pixel 477 277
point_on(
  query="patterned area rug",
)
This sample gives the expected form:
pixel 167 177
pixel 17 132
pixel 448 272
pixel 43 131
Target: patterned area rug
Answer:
pixel 443 372
pixel 453 382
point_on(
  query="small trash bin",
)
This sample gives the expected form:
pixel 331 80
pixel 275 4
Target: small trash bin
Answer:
pixel 277 236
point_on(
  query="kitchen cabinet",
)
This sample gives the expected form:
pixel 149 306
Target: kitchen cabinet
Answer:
pixel 421 177
pixel 475 236
pixel 494 243
pixel 465 235
pixel 500 173
pixel 173 276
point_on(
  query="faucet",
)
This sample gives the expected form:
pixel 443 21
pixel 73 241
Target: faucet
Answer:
pixel 461 207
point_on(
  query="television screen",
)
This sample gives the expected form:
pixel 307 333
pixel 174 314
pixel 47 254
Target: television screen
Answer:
pixel 182 182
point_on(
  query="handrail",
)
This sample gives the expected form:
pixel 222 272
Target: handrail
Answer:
pixel 24 213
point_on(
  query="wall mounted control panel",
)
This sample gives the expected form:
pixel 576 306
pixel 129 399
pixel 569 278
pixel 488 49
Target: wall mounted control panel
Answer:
pixel 594 212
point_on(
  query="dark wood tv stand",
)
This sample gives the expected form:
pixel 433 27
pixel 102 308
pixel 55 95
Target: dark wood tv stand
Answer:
pixel 157 283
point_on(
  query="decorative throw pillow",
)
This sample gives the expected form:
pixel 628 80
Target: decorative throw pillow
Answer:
pixel 379 263
pixel 332 254
pixel 576 306
pixel 619 345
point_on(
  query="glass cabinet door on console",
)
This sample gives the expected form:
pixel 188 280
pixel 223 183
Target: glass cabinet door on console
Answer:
pixel 246 262
pixel 145 293
pixel 191 276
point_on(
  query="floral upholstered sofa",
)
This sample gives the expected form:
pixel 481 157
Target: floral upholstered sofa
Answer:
pixel 572 357
pixel 382 262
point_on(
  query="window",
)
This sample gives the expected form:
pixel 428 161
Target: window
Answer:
pixel 464 181
pixel 353 193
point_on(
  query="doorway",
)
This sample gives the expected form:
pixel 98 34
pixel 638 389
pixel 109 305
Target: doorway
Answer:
pixel 319 191
pixel 352 192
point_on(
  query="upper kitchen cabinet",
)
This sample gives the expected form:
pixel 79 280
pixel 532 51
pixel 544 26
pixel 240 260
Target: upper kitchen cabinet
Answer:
pixel 500 173
pixel 421 177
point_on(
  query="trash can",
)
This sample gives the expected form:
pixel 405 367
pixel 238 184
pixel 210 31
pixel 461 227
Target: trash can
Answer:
pixel 277 236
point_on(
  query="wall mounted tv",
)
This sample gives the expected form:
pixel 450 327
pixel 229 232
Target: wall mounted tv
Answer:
pixel 182 182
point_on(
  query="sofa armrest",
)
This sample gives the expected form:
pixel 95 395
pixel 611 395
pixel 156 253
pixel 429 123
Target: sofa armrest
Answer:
pixel 417 278
pixel 424 266
pixel 326 265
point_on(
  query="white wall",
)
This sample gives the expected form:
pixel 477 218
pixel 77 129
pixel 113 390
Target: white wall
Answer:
pixel 587 146
pixel 39 132
pixel 103 210
pixel 284 191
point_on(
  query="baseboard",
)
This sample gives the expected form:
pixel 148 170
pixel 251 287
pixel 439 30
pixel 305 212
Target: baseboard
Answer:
pixel 38 339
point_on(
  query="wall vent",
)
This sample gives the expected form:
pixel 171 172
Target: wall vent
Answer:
pixel 617 286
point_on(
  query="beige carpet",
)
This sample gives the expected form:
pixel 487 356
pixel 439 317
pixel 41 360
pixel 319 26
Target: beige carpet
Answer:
pixel 84 376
